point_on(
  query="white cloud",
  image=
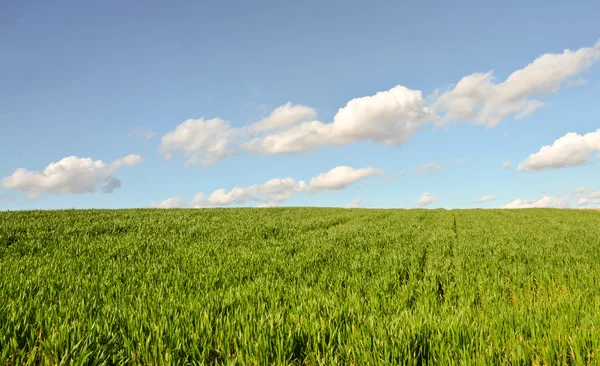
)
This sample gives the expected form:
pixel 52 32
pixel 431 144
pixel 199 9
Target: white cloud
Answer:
pixel 426 199
pixel 285 116
pixel 583 201
pixel 390 117
pixel 147 134
pixel 585 196
pixel 461 160
pixel 479 98
pixel 265 205
pixel 366 184
pixel 570 150
pixel 69 175
pixel 429 167
pixel 270 193
pixel 355 203
pixel 173 202
pixel 397 175
pixel 277 190
pixel 545 201
pixel 341 177
pixel 204 141
pixel 505 135
pixel 486 198
pixel 238 195
pixel 129 160
pixel 506 164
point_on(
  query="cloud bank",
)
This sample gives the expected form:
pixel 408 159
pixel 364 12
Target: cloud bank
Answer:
pixel 277 190
pixel 389 117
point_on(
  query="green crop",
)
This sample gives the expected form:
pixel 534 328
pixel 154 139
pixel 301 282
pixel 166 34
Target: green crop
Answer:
pixel 300 286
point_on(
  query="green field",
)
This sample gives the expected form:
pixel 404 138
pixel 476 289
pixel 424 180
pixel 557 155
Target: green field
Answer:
pixel 300 286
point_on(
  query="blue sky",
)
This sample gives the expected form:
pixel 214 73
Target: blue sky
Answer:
pixel 79 77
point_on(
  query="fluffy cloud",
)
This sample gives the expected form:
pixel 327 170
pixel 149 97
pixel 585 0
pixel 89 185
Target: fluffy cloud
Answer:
pixel 479 98
pixel 204 141
pixel 486 198
pixel 355 203
pixel 269 193
pixel 461 160
pixel 545 201
pixel 390 117
pixel 341 177
pixel 129 160
pixel 69 175
pixel 285 116
pixel 140 132
pixel 583 201
pixel 275 191
pixel 429 167
pixel 426 199
pixel 570 150
pixel 173 202
pixel 506 164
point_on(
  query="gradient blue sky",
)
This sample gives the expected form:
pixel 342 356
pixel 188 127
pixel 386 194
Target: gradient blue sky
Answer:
pixel 76 77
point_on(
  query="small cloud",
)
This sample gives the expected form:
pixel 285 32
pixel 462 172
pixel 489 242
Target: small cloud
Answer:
pixel 462 160
pixel 486 198
pixel 173 202
pixel 583 201
pixel 505 135
pixel 266 204
pixel 355 203
pixel 70 175
pixel 168 156
pixel 426 199
pixel 366 184
pixel 392 177
pixel 569 150
pixel 507 165
pixel 140 132
pixel 545 201
pixel 429 167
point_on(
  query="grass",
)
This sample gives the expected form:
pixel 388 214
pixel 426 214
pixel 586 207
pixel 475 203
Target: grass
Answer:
pixel 300 286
